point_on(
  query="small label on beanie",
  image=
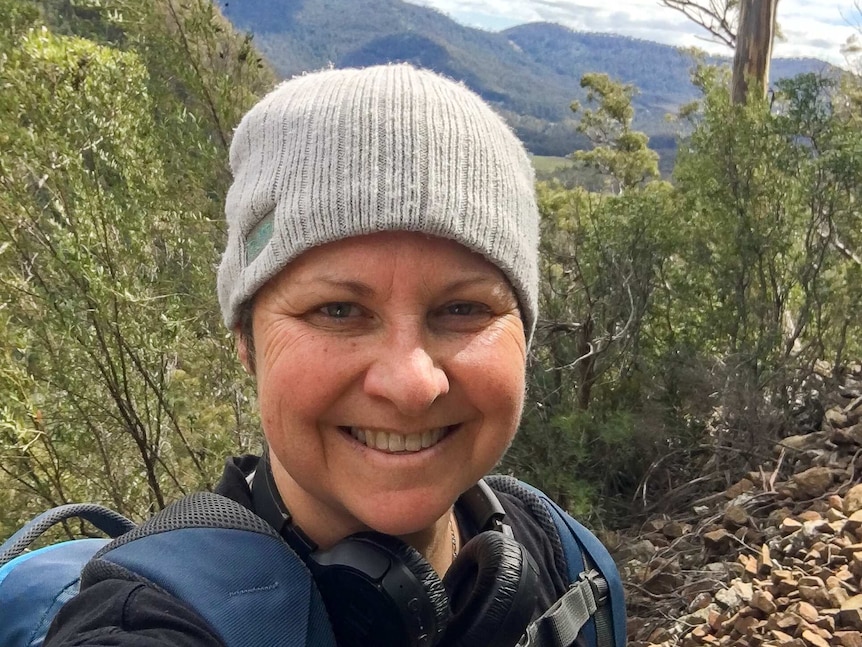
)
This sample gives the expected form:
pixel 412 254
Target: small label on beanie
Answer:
pixel 258 238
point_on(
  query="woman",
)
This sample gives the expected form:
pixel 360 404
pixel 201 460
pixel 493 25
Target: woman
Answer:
pixel 381 278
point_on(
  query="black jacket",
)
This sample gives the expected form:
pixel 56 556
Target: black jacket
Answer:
pixel 122 613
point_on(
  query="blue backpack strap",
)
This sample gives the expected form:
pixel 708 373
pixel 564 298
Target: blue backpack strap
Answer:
pixel 111 523
pixel 228 565
pixel 34 585
pixel 584 552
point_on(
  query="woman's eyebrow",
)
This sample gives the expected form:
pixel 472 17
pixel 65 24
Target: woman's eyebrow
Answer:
pixel 361 289
pixel 357 288
pixel 479 279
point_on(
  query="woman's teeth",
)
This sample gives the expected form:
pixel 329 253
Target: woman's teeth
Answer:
pixel 389 442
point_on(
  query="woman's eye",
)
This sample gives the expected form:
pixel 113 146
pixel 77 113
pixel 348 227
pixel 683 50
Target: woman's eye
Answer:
pixel 465 309
pixel 340 310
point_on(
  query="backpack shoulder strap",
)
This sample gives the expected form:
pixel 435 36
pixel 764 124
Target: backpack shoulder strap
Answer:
pixel 594 603
pixel 111 523
pixel 228 565
pixel 34 585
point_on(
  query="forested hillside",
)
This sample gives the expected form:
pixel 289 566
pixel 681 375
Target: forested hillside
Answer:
pixel 531 73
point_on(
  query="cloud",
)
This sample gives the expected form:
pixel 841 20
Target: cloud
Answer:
pixel 815 28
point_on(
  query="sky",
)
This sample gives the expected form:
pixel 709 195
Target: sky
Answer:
pixel 815 28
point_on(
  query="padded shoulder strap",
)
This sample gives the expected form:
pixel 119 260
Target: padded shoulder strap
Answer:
pixel 585 552
pixel 230 566
pixel 594 605
pixel 111 523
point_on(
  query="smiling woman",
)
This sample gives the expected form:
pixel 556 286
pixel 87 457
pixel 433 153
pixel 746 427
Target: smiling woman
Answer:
pixel 381 278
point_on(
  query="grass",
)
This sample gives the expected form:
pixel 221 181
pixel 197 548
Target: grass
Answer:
pixel 548 165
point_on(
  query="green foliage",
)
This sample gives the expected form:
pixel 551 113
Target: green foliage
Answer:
pixel 587 427
pixel 680 317
pixel 770 198
pixel 619 153
pixel 118 381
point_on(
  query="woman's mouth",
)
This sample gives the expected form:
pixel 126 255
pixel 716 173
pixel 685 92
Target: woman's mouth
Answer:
pixel 393 443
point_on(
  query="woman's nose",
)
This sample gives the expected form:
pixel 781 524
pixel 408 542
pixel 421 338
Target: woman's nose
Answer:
pixel 408 378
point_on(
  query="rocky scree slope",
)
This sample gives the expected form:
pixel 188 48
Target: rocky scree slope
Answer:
pixel 767 562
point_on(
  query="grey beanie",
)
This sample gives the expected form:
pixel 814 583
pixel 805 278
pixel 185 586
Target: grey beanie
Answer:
pixel 342 153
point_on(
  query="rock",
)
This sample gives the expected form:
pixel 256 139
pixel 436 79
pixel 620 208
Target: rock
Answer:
pixel 813 590
pixel 836 418
pixel 837 596
pixel 781 637
pixel 653 525
pixel 853 500
pixel 743 486
pixel 814 640
pixel 809 515
pixel 700 601
pixel 735 516
pixel 660 635
pixel 854 521
pixel 717 541
pixel 789 525
pixel 850 615
pixel 786 622
pixel 813 482
pixel 847 639
pixel 763 569
pixel 764 601
pixel 642 550
pixel 675 530
pixel 764 561
pixel 729 598
pixel 850 435
pixel 835 514
pixel 799 443
pixel 805 610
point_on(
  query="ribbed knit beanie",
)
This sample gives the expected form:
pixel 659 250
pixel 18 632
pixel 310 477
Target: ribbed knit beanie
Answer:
pixel 343 153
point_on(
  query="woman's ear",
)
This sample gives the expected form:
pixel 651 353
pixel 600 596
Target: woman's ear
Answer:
pixel 244 353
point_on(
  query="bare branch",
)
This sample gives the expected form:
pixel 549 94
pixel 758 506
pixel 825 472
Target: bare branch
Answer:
pixel 718 17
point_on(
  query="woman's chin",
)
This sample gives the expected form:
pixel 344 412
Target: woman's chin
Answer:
pixel 401 518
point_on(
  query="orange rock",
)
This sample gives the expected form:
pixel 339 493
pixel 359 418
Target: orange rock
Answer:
pixel 763 601
pixel 814 640
pixel 749 563
pixel 805 611
pixel 748 625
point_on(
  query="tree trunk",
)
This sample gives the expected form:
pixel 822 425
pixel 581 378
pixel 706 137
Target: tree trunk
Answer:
pixel 753 48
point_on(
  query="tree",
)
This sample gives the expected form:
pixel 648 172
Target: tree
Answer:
pixel 620 154
pixel 718 17
pixel 747 26
pixel 601 256
pixel 753 48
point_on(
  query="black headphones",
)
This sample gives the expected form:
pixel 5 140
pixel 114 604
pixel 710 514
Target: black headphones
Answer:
pixel 379 591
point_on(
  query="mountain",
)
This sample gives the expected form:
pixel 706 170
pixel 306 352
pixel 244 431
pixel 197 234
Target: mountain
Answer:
pixel 530 73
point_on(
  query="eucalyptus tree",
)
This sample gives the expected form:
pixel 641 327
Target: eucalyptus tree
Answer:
pixel 746 26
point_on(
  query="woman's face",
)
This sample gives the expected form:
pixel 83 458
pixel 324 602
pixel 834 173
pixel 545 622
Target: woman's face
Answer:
pixel 390 374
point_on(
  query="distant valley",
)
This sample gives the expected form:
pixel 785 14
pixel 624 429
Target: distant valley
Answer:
pixel 531 73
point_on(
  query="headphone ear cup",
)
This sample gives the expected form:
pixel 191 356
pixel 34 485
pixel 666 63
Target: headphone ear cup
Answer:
pixel 492 592
pixel 379 590
pixel 426 575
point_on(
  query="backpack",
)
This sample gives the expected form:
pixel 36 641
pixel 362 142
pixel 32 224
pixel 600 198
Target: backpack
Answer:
pixel 205 528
